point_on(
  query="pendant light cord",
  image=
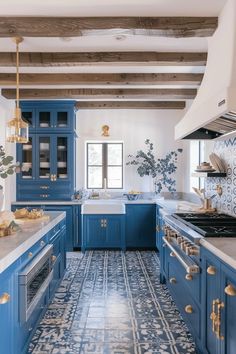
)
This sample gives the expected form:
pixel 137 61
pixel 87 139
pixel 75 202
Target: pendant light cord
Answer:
pixel 17 74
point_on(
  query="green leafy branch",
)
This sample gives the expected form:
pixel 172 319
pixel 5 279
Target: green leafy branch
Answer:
pixel 160 169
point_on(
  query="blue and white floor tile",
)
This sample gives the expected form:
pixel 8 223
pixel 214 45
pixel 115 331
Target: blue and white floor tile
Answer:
pixel 111 302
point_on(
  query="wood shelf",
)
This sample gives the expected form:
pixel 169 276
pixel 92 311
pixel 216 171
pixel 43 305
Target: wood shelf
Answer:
pixel 209 174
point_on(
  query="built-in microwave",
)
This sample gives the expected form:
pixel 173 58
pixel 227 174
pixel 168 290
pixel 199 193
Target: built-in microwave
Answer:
pixel 34 280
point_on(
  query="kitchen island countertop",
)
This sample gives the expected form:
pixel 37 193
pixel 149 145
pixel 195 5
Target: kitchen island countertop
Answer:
pixel 14 246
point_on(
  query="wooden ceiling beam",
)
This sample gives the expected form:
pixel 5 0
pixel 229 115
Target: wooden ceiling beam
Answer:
pixel 82 26
pixel 8 59
pixel 130 105
pixel 102 79
pixel 122 94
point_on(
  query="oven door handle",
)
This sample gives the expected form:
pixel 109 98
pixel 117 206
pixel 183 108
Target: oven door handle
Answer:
pixel 190 268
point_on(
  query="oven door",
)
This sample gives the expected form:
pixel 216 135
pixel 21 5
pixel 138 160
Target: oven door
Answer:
pixel 34 281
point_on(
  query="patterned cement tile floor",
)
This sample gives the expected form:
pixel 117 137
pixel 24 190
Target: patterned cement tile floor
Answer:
pixel 111 302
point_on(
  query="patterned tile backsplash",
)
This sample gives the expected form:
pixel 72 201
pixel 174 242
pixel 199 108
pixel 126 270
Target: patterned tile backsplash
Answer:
pixel 226 150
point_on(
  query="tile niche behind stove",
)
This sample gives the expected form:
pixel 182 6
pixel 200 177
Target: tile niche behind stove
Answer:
pixel 226 149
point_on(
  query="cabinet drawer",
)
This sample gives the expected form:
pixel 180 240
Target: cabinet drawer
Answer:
pixel 192 282
pixel 33 251
pixel 183 298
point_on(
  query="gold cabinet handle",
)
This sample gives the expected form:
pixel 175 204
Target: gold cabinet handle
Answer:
pixel 189 277
pixel 4 298
pixel 211 270
pixel 51 177
pixel 54 258
pixel 230 290
pixel 44 195
pixel 188 309
pixel 220 305
pixel 105 222
pixel 172 254
pixel 102 223
pixel 44 187
pixel 213 315
pixel 55 178
pixel 42 243
pixel 173 281
pixel 216 318
pixel 30 254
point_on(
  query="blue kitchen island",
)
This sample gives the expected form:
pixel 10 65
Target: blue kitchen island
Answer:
pixel 32 264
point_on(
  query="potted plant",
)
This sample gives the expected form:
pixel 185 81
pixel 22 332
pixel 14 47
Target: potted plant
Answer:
pixel 160 169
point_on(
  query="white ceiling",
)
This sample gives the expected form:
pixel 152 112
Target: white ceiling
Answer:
pixel 110 7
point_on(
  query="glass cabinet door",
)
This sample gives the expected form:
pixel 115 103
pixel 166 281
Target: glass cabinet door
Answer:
pixel 44 119
pixel 44 151
pixel 61 119
pixel 27 159
pixel 62 157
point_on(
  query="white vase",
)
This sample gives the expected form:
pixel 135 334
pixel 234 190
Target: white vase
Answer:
pixel 1 199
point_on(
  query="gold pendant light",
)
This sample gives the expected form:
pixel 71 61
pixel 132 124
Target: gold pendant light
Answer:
pixel 17 128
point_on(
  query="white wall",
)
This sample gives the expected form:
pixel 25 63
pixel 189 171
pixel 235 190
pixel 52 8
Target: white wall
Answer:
pixel 132 127
pixel 6 113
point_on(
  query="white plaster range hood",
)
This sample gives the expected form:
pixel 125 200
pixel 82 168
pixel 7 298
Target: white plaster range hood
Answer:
pixel 213 112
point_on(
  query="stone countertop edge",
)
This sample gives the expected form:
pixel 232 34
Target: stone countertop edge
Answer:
pixel 222 247
pixel 14 246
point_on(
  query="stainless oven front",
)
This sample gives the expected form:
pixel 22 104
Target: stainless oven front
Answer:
pixel 34 281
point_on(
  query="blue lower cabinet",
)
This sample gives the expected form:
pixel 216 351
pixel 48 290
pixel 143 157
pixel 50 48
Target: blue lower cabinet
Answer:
pixel 140 225
pixel 8 309
pixel 219 305
pixel 77 226
pixel 103 231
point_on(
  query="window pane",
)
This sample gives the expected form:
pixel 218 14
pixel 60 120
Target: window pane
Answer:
pixel 94 177
pixel 114 154
pixel 94 154
pixel 114 179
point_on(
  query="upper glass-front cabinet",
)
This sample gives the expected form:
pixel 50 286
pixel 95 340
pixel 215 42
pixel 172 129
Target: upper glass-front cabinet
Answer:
pixel 26 156
pixel 49 116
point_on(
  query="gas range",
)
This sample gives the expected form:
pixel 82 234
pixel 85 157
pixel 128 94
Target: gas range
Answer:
pixel 183 232
pixel 210 224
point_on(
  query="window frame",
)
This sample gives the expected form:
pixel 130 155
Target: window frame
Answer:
pixel 105 163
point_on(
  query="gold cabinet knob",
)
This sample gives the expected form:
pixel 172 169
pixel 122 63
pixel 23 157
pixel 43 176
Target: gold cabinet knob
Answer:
pixel 230 290
pixel 54 258
pixel 42 243
pixel 188 309
pixel 189 277
pixel 211 270
pixel 172 254
pixel 4 298
pixel 173 281
pixel 30 254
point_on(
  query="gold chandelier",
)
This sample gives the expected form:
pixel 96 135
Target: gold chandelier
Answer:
pixel 17 128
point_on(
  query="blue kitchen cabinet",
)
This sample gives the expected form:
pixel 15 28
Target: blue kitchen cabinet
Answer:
pixel 140 225
pixel 8 308
pixel 70 223
pixel 48 159
pixel 77 226
pixel 49 116
pixel 218 305
pixel 103 231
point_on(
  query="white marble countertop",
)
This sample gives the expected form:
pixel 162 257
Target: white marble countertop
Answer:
pixel 14 246
pixel 171 204
pixel 223 247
